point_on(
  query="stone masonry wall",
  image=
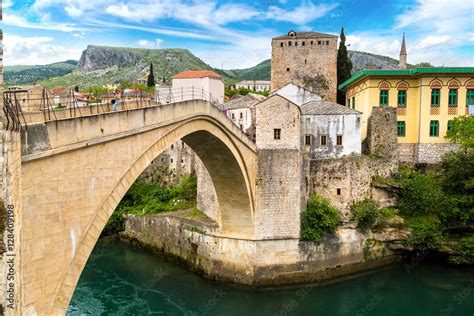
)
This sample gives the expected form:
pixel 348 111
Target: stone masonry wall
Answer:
pixel 346 180
pixel 432 153
pixel 279 169
pixel 257 262
pixel 382 140
pixel 206 193
pixel 292 63
pixel 424 153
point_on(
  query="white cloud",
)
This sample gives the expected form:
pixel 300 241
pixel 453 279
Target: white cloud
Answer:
pixel 432 41
pixel 7 4
pixel 150 44
pixel 20 50
pixel 438 16
pixel 300 15
pixel 20 21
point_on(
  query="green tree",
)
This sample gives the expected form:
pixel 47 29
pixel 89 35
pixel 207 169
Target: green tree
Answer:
pixel 424 64
pixel 344 67
pixel 318 219
pixel 462 132
pixel 151 77
pixel 76 88
pixel 421 195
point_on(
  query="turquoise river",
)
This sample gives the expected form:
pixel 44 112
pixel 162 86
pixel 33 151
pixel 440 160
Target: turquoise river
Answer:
pixel 121 280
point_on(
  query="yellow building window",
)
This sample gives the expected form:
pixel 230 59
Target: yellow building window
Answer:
pixel 384 98
pixel 434 128
pixel 470 97
pixel 453 97
pixel 435 93
pixel 402 98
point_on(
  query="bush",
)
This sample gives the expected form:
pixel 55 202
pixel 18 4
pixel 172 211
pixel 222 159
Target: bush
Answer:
pixel 143 198
pixel 420 195
pixel 425 230
pixel 365 213
pixel 318 219
pixel 464 251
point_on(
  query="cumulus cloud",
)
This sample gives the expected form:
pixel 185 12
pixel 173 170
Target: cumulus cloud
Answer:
pixel 20 50
pixel 431 41
pixel 150 44
pixel 304 13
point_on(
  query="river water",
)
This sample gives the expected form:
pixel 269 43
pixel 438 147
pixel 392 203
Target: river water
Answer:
pixel 121 280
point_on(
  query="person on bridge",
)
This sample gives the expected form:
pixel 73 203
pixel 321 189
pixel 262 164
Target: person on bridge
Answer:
pixel 116 100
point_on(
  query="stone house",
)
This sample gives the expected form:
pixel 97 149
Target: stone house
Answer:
pixel 241 110
pixel 330 129
pixel 188 84
pixel 303 57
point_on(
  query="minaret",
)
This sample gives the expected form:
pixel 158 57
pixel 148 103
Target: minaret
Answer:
pixel 403 55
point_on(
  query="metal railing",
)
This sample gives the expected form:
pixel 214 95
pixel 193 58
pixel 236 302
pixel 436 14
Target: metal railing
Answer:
pixel 52 106
pixel 13 113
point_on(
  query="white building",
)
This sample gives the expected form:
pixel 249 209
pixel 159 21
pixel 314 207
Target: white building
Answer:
pixel 330 129
pixel 241 110
pixel 188 85
pixel 255 85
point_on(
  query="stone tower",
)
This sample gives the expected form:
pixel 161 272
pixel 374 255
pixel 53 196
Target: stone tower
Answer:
pixel 299 57
pixel 403 54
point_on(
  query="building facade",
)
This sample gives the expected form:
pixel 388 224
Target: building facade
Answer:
pixel 187 84
pixel 241 110
pixel 330 130
pixel 426 99
pixel 255 85
pixel 308 59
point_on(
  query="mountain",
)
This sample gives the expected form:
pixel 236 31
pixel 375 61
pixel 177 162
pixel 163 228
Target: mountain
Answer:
pixel 20 75
pixel 101 65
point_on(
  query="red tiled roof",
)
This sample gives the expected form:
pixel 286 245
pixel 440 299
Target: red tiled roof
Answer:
pixel 196 74
pixel 57 90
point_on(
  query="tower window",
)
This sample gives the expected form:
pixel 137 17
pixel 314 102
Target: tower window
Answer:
pixel 296 43
pixel 289 43
pixel 324 140
pixel 302 43
pixel 319 42
pixel 277 133
pixel 172 146
pixel 434 128
pixel 241 115
pixel 307 140
pixel 339 140
pixel 327 42
pixel 312 42
pixel 305 61
pixel 281 44
pixel 288 69
pixel 338 191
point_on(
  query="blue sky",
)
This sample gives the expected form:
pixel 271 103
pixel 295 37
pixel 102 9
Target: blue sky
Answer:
pixel 235 34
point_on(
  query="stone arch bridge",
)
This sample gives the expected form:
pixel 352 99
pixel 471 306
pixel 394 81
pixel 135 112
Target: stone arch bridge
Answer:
pixel 75 171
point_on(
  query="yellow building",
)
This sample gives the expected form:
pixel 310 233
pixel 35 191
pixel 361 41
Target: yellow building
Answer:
pixel 427 100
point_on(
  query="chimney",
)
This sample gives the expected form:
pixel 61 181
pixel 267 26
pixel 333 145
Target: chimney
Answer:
pixel 403 54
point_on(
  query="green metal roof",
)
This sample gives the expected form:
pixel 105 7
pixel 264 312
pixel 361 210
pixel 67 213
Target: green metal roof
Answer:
pixel 414 71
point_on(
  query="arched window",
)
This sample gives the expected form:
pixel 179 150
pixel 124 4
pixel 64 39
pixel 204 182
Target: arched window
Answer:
pixel 383 97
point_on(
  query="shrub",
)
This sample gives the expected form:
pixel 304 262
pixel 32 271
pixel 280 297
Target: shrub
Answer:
pixel 365 213
pixel 464 251
pixel 425 230
pixel 420 195
pixel 318 219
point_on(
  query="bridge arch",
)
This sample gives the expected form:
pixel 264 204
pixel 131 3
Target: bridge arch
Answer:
pixel 229 159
